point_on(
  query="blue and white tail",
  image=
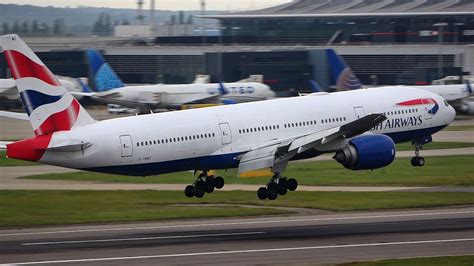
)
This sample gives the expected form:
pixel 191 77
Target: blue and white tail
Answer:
pixel 341 74
pixel 49 105
pixel 103 77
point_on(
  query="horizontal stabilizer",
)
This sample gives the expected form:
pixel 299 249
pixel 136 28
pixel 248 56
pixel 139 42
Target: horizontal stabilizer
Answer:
pixel 20 116
pixel 69 146
pixel 3 144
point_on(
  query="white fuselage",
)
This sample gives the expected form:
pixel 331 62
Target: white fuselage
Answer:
pixel 173 96
pixel 213 138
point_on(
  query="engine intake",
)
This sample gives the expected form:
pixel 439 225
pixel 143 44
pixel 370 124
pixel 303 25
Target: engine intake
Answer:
pixel 367 152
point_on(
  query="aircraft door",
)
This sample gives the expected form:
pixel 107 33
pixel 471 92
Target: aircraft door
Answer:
pixel 126 145
pixel 225 133
pixel 359 112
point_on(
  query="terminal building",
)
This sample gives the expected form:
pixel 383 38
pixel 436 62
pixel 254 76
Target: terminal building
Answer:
pixel 385 42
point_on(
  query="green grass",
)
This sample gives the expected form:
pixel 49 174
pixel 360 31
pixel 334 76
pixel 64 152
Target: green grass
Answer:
pixel 460 128
pixel 12 162
pixel 436 146
pixel 438 171
pixel 32 208
pixel 428 261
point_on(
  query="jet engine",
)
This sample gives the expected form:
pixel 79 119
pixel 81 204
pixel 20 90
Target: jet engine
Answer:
pixel 367 152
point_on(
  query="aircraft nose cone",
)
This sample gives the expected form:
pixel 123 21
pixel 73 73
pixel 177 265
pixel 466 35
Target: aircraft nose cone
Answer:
pixel 451 114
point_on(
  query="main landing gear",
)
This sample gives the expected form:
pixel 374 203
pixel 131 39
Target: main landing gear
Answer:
pixel 417 160
pixel 278 185
pixel 204 184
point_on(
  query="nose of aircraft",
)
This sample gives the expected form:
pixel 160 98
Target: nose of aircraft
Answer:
pixel 451 114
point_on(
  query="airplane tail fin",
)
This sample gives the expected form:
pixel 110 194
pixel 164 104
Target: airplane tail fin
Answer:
pixel 469 87
pixel 49 105
pixel 103 77
pixel 315 87
pixel 341 74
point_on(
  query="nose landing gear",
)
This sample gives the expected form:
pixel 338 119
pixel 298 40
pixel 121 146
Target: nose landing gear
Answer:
pixel 417 160
pixel 204 184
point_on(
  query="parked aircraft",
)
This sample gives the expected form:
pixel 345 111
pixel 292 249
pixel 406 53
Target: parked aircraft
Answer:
pixel 110 89
pixel 360 127
pixel 344 79
pixel 9 92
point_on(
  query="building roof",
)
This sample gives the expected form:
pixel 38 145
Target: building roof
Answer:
pixel 332 8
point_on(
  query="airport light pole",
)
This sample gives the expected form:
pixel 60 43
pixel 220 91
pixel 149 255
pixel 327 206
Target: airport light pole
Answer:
pixel 440 26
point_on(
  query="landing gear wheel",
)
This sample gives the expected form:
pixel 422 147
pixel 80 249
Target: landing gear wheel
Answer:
pixel 198 192
pixel 218 182
pixel 272 195
pixel 282 188
pixel 292 184
pixel 413 161
pixel 262 193
pixel 201 185
pixel 209 184
pixel 272 187
pixel 421 161
pixel 189 191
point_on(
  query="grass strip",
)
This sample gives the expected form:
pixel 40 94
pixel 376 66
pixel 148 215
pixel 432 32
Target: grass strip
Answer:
pixel 438 171
pixel 33 208
pixel 460 128
pixel 426 261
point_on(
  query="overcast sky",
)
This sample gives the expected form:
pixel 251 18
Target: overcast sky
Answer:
pixel 160 4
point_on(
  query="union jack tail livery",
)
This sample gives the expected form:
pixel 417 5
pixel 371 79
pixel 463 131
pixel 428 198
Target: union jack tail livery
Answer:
pixel 49 105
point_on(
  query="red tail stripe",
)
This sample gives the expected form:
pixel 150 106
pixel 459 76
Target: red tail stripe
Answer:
pixel 63 120
pixel 22 67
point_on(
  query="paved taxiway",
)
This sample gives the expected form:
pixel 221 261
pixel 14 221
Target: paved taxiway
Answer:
pixel 313 239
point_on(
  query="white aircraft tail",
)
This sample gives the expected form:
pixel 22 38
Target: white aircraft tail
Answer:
pixel 49 105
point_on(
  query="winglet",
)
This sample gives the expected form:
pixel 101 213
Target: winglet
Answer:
pixel 315 87
pixel 468 86
pixel 85 87
pixel 222 89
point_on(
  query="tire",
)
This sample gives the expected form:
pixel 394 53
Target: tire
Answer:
pixel 282 189
pixel 414 161
pixel 421 161
pixel 189 191
pixel 272 187
pixel 201 185
pixel 272 195
pixel 262 193
pixel 292 184
pixel 198 192
pixel 209 188
pixel 219 182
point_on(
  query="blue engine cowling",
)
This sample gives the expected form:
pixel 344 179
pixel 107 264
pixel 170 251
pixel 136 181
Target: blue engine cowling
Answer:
pixel 367 152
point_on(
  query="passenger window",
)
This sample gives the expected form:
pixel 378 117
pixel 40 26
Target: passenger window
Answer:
pixel 138 144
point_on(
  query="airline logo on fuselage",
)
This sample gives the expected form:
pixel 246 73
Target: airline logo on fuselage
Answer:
pixel 403 122
pixel 232 90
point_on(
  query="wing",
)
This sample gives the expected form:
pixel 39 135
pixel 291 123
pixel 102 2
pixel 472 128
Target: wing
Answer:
pixel 276 154
pixel 20 116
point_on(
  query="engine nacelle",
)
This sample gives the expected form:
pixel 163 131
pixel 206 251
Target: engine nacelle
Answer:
pixel 367 152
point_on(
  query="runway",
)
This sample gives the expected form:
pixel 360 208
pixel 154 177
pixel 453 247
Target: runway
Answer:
pixel 316 239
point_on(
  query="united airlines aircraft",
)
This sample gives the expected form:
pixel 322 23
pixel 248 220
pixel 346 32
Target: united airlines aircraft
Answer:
pixel 110 89
pixel 360 127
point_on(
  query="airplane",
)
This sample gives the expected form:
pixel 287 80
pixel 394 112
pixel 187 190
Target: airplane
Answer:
pixel 360 127
pixel 344 79
pixel 9 92
pixel 110 89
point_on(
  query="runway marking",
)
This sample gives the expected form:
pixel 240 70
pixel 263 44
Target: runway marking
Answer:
pixel 242 251
pixel 237 223
pixel 139 238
